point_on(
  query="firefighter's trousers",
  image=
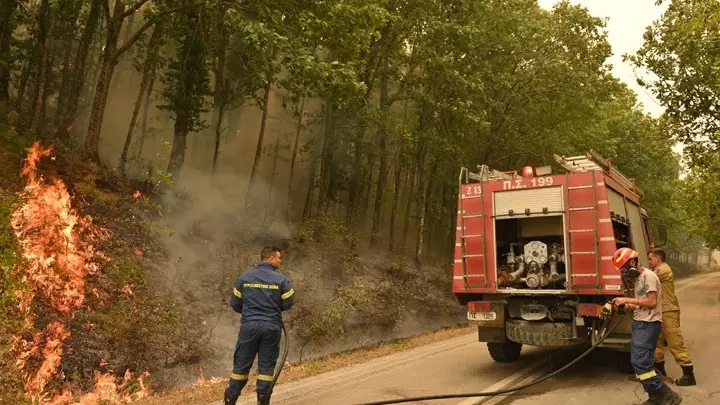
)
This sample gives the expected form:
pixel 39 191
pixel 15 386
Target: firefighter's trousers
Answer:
pixel 263 339
pixel 672 337
pixel 644 341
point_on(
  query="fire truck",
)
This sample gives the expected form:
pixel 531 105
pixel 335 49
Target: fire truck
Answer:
pixel 533 252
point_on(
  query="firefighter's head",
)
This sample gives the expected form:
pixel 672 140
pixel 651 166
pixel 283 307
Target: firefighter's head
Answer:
pixel 626 260
pixel 272 255
pixel 656 257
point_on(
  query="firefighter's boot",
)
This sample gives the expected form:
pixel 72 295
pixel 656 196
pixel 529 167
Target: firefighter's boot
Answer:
pixel 669 397
pixel 661 368
pixel 688 377
pixel 263 399
pixel 229 400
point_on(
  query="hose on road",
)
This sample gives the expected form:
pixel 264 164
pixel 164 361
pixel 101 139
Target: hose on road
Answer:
pixel 462 395
pixel 508 390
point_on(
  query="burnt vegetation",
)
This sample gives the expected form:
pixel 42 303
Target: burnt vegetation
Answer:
pixel 193 132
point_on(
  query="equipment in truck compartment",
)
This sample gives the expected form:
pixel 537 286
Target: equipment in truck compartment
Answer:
pixel 545 234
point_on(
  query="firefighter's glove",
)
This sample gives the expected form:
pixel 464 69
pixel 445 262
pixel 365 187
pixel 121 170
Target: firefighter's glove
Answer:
pixel 606 311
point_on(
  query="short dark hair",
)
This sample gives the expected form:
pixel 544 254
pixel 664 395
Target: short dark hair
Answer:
pixel 658 253
pixel 268 251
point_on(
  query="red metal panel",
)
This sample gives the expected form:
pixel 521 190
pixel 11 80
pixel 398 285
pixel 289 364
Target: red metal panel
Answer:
pixel 582 197
pixel 474 245
pixel 472 205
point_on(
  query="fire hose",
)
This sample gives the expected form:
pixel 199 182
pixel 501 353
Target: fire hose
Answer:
pixel 605 333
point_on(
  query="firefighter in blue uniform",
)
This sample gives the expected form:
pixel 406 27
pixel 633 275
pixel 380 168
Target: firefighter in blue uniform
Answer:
pixel 260 295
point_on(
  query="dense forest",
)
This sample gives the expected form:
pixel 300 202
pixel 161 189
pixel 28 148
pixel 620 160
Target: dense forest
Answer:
pixel 353 114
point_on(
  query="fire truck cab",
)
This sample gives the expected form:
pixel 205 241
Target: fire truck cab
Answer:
pixel 533 252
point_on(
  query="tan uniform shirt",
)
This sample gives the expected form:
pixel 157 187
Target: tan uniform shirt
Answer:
pixel 647 282
pixel 667 280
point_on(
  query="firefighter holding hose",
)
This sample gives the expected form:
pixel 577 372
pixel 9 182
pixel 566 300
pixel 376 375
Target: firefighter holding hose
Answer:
pixel 646 325
pixel 261 294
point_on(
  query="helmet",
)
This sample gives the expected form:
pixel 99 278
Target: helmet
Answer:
pixel 622 256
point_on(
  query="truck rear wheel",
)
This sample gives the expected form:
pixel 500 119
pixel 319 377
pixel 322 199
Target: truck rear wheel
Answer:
pixel 506 352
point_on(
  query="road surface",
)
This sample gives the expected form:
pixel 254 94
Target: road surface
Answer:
pixel 463 365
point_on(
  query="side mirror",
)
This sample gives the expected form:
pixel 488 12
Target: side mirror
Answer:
pixel 662 235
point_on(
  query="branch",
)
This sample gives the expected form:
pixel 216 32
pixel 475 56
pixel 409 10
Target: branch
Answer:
pixel 132 40
pixel 143 28
pixel 133 9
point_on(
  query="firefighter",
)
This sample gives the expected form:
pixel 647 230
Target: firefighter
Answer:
pixel 646 325
pixel 671 334
pixel 261 294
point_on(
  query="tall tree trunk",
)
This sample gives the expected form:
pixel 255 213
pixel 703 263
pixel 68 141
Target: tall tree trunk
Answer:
pixel 408 206
pixel 7 10
pixel 325 156
pixel 356 179
pixel 149 69
pixel 423 194
pixel 220 97
pixel 367 185
pixel 146 110
pixel 177 153
pixel 307 208
pixel 382 177
pixel 300 112
pixel 268 205
pixel 67 111
pixel 397 186
pixel 47 22
pixel 261 137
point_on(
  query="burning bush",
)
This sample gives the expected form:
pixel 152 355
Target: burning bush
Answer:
pixel 87 319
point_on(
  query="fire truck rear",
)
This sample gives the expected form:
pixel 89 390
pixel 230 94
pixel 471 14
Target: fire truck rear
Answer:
pixel 533 252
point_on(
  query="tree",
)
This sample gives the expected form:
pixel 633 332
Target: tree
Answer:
pixel 109 59
pixel 187 83
pixel 680 52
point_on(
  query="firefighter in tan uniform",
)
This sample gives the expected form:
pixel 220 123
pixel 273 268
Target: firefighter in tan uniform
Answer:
pixel 671 335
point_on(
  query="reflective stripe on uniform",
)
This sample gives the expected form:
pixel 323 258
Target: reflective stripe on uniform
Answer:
pixel 262 286
pixel 237 293
pixel 265 377
pixel 288 294
pixel 646 376
pixel 239 377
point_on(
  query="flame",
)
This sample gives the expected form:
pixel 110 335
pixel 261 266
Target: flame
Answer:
pixel 203 381
pixel 58 247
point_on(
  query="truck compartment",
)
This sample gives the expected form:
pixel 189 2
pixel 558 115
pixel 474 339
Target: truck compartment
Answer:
pixel 530 253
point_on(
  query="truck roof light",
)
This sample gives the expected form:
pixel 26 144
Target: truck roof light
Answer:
pixel 543 170
pixel 527 171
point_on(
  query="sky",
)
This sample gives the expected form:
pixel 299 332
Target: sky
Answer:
pixel 625 27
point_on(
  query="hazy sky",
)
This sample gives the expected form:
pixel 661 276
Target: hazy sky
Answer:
pixel 626 25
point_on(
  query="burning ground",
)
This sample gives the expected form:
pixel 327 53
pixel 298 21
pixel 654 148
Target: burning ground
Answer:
pixel 110 295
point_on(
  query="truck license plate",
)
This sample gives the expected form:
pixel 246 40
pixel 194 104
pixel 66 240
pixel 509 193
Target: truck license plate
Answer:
pixel 482 316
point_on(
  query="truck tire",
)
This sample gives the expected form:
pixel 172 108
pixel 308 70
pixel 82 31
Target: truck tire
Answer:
pixel 506 352
pixel 540 333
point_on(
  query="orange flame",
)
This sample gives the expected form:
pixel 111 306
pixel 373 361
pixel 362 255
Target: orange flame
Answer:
pixel 57 246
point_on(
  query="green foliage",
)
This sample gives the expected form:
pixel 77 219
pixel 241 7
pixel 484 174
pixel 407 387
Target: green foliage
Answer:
pixel 681 54
pixel 10 322
pixel 9 253
pixel 187 82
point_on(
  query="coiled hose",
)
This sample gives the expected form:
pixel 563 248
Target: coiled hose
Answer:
pixel 508 390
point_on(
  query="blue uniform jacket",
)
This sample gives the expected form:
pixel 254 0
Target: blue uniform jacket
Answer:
pixel 261 294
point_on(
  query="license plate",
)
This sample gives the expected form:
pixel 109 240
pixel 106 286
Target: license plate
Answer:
pixel 482 316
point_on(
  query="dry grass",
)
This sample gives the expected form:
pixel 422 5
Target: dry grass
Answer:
pixel 203 394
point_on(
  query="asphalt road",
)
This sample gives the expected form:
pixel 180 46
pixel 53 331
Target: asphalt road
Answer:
pixel 463 365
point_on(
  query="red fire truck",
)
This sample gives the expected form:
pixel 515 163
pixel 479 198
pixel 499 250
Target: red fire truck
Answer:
pixel 533 252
